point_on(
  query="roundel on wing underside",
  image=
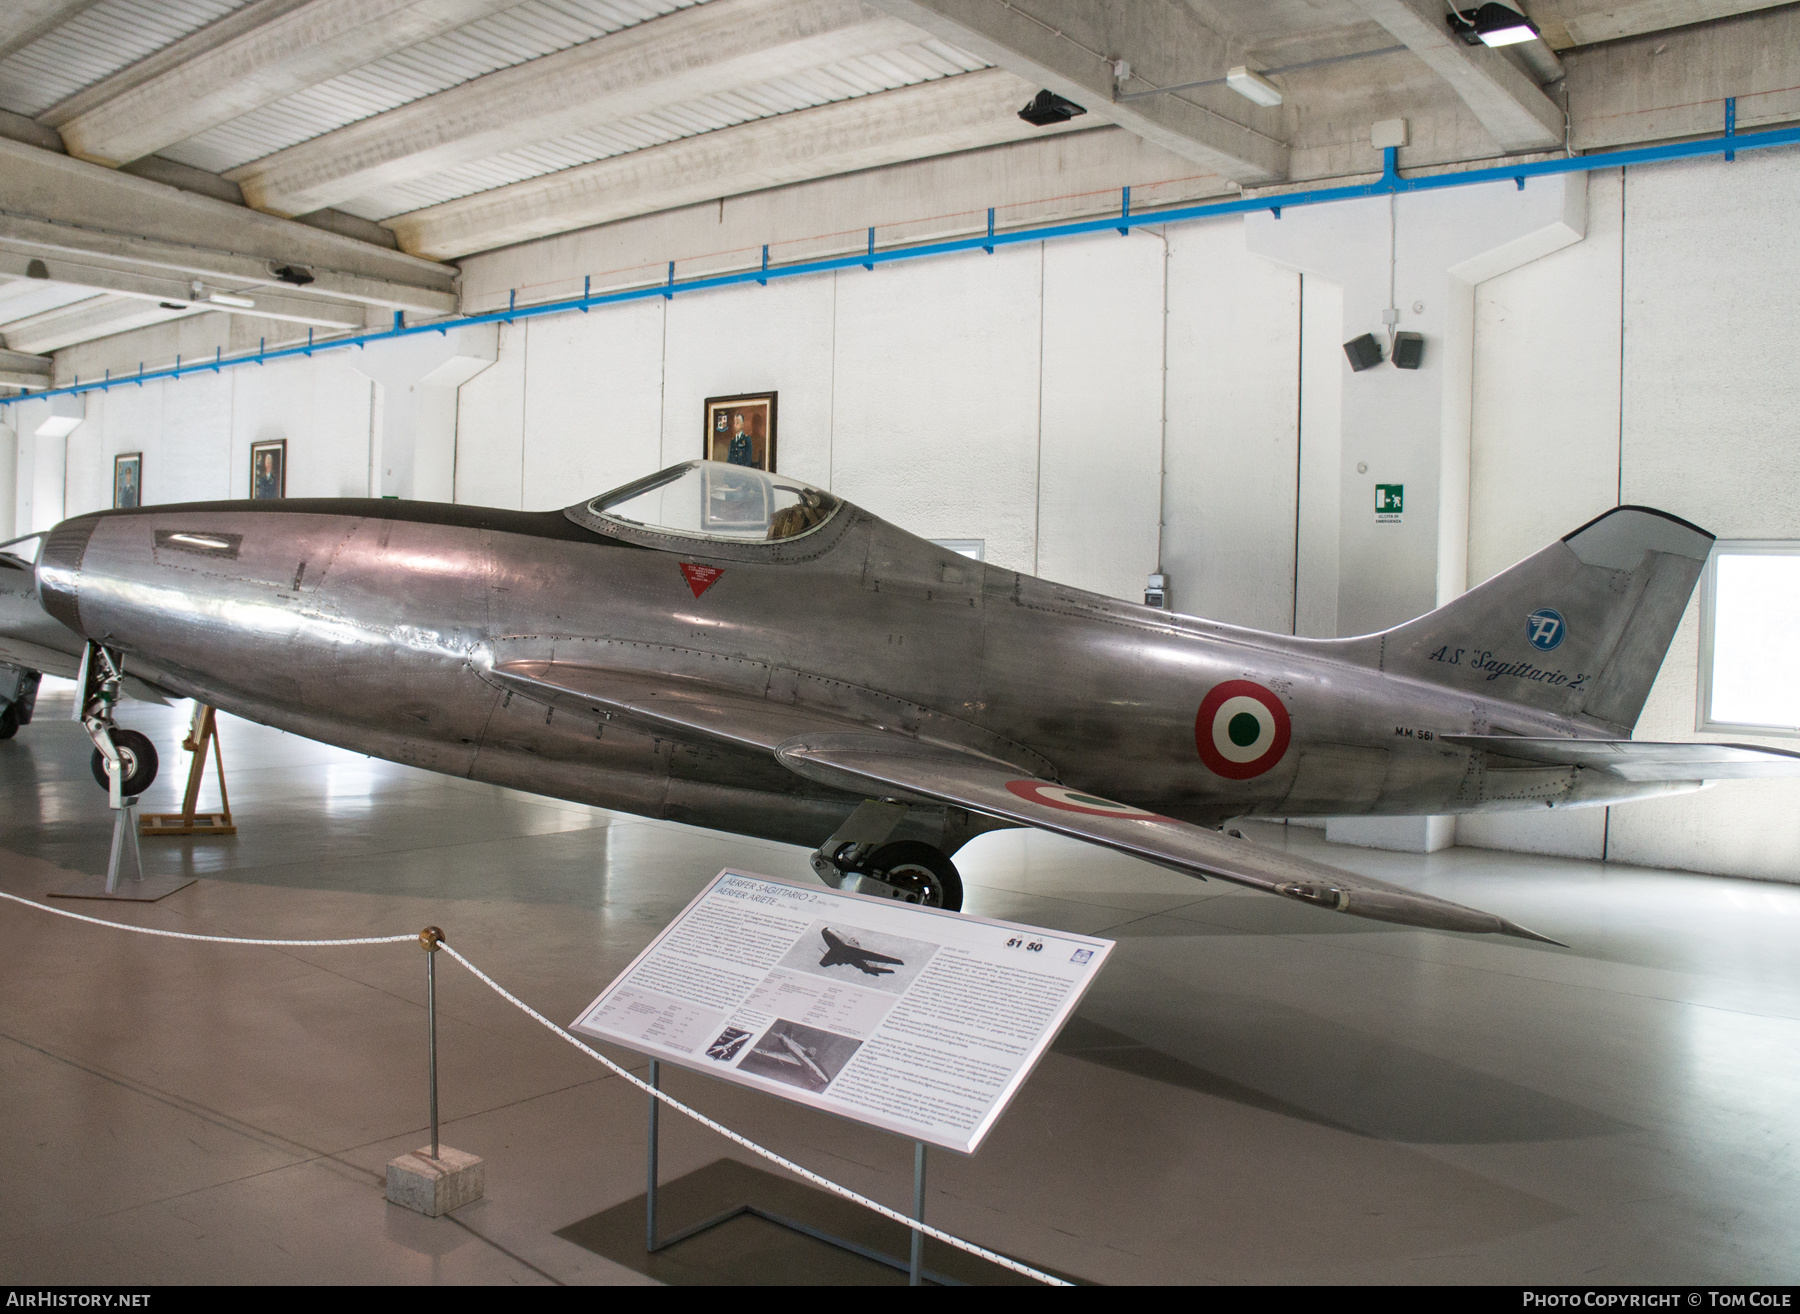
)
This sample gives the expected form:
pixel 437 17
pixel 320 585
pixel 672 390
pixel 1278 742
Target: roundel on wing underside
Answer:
pixel 1242 729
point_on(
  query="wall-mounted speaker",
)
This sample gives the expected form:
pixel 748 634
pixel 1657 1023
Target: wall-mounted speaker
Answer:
pixel 1363 352
pixel 1409 350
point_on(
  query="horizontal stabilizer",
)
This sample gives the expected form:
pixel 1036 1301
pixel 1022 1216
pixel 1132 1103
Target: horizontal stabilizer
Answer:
pixel 885 765
pixel 1634 759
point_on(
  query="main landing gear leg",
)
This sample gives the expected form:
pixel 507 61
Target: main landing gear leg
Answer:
pixel 860 858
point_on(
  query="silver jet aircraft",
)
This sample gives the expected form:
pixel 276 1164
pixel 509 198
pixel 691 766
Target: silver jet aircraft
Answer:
pixel 739 650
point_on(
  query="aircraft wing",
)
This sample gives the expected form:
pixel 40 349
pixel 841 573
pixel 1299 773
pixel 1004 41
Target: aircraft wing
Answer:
pixel 894 765
pixel 1637 760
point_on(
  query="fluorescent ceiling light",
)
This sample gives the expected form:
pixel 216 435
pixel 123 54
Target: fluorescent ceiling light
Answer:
pixel 1253 86
pixel 226 299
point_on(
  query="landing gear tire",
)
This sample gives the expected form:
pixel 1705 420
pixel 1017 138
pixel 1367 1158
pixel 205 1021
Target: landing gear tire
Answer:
pixel 137 755
pixel 926 875
pixel 9 721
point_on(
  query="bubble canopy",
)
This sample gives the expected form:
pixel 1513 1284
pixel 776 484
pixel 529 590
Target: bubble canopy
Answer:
pixel 713 500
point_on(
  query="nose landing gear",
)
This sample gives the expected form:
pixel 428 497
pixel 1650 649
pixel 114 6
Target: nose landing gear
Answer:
pixel 124 761
pixel 859 858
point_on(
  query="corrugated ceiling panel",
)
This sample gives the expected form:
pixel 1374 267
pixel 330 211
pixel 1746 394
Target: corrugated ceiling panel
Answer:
pixel 923 61
pixel 96 44
pixel 513 36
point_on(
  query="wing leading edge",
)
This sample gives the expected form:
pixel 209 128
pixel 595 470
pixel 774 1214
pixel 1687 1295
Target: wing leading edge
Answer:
pixel 890 764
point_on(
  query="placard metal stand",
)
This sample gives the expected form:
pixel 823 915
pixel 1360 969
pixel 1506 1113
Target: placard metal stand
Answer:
pixel 915 1269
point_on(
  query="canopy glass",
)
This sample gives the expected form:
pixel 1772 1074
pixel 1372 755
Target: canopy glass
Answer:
pixel 710 499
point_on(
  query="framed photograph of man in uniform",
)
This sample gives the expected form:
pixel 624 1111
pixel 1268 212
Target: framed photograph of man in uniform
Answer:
pixel 268 469
pixel 128 479
pixel 741 430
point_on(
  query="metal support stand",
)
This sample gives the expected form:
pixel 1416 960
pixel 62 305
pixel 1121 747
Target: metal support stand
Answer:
pixel 918 1238
pixel 125 838
pixel 914 1269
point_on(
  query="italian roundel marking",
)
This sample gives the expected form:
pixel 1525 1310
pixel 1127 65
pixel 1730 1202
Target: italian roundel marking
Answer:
pixel 1242 730
pixel 1070 800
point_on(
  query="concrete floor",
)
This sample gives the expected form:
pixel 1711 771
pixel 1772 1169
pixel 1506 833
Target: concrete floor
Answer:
pixel 1254 1091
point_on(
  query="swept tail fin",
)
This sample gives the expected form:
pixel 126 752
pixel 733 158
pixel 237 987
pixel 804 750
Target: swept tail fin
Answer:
pixel 1579 629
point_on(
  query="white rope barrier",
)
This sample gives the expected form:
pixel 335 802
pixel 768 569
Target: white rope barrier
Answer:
pixel 825 1183
pixel 214 939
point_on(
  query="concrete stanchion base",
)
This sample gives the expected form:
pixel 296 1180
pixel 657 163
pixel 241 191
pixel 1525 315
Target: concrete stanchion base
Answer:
pixel 434 1187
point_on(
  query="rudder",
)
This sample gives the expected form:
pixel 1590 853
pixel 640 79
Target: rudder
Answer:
pixel 1579 629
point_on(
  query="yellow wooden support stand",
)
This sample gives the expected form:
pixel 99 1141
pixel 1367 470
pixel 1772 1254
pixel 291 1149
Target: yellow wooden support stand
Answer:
pixel 201 733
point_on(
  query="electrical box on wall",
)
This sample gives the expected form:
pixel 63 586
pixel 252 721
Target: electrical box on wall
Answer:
pixel 1156 591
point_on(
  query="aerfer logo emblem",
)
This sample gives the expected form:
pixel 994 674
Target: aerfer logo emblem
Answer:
pixel 1545 628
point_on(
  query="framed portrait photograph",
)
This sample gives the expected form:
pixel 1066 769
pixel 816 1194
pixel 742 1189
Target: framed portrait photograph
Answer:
pixel 268 469
pixel 741 430
pixel 128 479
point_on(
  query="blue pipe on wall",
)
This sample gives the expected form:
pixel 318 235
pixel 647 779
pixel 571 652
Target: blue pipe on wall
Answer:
pixel 1390 183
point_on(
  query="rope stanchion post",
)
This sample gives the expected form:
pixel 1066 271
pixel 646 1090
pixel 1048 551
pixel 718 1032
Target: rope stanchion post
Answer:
pixel 434 1179
pixel 429 939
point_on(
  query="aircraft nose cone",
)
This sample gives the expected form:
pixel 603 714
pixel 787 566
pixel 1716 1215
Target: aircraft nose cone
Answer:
pixel 59 569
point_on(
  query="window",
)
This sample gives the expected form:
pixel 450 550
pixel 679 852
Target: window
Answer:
pixel 1749 632
pixel 975 549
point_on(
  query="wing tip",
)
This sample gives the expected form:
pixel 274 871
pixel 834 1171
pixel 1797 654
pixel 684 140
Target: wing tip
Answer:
pixel 1514 929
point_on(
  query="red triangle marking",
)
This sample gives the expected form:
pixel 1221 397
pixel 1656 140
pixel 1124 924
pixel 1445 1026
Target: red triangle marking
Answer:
pixel 700 578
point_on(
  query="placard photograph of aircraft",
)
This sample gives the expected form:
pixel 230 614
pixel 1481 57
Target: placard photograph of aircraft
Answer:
pixel 848 953
pixel 739 650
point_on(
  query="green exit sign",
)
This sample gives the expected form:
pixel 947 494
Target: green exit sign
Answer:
pixel 1390 501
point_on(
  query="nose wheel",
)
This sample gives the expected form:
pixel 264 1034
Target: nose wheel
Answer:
pixel 137 762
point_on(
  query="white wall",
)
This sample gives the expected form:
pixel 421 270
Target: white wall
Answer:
pixel 1032 398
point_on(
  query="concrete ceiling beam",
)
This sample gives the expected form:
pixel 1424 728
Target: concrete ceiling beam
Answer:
pixel 176 291
pixel 97 317
pixel 1567 23
pixel 1509 105
pixel 679 57
pixel 245 61
pixel 22 370
pixel 24 21
pixel 960 113
pixel 52 206
pixel 1069 46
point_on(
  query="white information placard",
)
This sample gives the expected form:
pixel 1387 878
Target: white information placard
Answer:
pixel 911 1019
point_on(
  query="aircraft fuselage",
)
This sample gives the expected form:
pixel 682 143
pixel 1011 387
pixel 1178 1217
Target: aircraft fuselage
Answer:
pixel 376 626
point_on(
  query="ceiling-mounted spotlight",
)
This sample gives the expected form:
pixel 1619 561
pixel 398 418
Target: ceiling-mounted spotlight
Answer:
pixel 1253 86
pixel 298 275
pixel 1047 109
pixel 1492 25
